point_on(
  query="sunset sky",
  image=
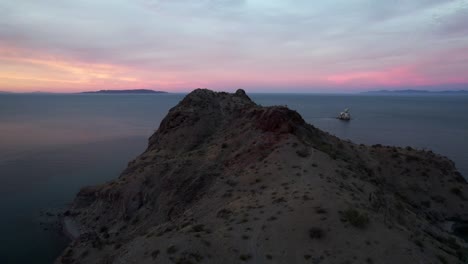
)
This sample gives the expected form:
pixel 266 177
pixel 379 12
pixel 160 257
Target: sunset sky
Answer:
pixel 260 45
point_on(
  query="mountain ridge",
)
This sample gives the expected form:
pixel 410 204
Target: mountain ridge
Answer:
pixel 409 91
pixel 130 91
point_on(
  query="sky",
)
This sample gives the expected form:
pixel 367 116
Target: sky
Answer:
pixel 258 45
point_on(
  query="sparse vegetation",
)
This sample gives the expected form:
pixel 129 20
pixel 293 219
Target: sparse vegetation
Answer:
pixel 442 259
pixel 198 228
pixel 411 158
pixel 320 210
pixel 224 213
pixel 457 191
pixel 355 218
pixel 304 152
pixel 171 250
pixel 245 257
pixel 155 253
pixel 316 233
pixel 438 199
pixel 419 243
pixel 272 218
pixel 244 201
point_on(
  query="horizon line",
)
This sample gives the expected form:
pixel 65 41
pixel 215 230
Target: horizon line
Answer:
pixel 381 91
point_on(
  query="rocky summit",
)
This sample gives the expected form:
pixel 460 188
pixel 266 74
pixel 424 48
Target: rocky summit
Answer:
pixel 224 180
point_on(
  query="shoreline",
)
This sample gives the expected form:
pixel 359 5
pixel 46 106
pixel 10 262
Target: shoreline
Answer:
pixel 70 228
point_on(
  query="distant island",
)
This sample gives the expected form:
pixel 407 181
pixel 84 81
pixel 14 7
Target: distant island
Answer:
pixel 414 92
pixel 136 91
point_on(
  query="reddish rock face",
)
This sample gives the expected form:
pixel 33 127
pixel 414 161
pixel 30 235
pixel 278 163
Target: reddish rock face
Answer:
pixel 278 119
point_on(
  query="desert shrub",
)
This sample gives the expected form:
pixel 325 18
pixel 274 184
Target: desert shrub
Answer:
pixel 457 191
pixel 438 199
pixel 356 218
pixel 96 241
pixel 442 259
pixel 411 158
pixel 462 255
pixel 452 242
pixel 419 243
pixel 224 213
pixel 320 210
pixel 303 152
pixel 196 256
pixel 316 233
pixel 85 254
pixel 426 204
pixel 155 254
pixel 171 249
pixel 399 206
pixel 245 257
pixel 198 228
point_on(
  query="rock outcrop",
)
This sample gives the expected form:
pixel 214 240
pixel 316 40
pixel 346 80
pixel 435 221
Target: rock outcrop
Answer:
pixel 224 180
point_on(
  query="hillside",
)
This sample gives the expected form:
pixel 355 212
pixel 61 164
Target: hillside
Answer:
pixel 224 180
pixel 417 92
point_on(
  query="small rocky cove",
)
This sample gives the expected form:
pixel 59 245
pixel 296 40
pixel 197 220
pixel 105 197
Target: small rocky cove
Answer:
pixel 224 180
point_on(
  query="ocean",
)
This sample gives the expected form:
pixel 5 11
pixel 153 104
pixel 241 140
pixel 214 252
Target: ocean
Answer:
pixel 51 145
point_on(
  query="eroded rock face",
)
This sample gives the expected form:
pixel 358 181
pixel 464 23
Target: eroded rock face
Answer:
pixel 224 180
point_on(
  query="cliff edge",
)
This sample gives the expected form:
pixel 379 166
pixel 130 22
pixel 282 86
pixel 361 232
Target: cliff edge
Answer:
pixel 224 180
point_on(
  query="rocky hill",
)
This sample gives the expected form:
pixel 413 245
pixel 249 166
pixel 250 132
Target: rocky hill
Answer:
pixel 224 180
pixel 134 91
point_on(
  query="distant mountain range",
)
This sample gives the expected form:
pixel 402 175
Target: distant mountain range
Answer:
pixel 136 91
pixel 390 92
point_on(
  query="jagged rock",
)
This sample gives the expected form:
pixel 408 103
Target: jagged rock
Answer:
pixel 224 180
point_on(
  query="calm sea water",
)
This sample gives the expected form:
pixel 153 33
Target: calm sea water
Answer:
pixel 51 145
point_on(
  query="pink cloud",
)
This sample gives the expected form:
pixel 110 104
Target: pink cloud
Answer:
pixel 26 70
pixel 391 77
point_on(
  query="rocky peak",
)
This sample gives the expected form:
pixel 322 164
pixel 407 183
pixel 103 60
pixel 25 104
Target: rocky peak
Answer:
pixel 203 113
pixel 202 98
